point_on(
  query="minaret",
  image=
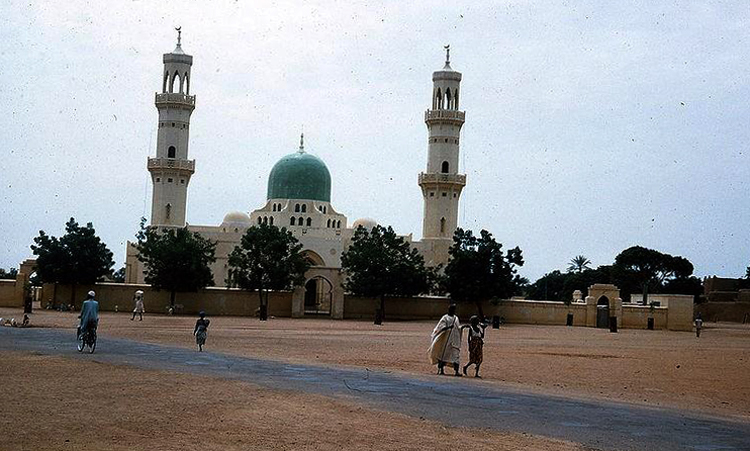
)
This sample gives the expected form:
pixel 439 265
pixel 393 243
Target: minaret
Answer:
pixel 171 170
pixel 442 184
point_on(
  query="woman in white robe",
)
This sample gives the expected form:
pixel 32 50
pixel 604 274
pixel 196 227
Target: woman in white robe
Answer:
pixel 446 342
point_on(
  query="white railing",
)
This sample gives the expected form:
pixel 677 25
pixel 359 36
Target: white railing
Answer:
pixel 454 115
pixel 171 163
pixel 175 97
pixel 458 179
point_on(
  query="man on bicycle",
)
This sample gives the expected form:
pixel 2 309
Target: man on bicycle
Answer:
pixel 89 315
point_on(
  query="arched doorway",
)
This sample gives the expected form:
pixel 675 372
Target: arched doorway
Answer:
pixel 602 312
pixel 318 296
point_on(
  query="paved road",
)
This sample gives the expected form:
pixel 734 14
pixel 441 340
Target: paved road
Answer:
pixel 600 425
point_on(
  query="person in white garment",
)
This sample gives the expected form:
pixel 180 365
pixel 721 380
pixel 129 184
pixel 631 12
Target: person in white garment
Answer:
pixel 139 309
pixel 446 342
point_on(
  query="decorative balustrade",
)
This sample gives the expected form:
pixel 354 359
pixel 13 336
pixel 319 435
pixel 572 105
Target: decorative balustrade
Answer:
pixel 171 163
pixel 454 115
pixel 457 179
pixel 175 97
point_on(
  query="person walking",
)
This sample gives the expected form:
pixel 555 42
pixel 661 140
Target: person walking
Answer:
pixel 698 325
pixel 201 330
pixel 139 309
pixel 476 343
pixel 446 342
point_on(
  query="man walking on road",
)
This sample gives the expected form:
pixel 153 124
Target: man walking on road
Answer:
pixel 446 342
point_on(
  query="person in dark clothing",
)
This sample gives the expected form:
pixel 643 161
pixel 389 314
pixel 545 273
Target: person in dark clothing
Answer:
pixel 201 330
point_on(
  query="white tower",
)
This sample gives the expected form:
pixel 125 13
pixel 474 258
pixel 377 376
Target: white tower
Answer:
pixel 442 184
pixel 171 169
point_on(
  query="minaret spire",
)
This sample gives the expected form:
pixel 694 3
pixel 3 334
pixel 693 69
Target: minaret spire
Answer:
pixel 302 142
pixel 441 183
pixel 179 35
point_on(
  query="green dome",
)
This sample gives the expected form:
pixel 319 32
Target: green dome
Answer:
pixel 300 176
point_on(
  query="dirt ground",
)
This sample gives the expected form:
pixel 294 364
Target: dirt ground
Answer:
pixel 57 403
pixel 658 368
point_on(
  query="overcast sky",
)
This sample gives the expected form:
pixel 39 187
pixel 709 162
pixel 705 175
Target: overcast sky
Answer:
pixel 590 126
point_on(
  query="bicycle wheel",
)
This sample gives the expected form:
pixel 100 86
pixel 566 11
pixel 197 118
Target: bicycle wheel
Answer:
pixel 80 344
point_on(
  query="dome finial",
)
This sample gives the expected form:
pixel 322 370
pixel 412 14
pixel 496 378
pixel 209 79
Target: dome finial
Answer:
pixel 179 35
pixel 447 56
pixel 302 142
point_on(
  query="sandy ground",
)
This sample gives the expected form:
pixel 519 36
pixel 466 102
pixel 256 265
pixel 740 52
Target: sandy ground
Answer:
pixel 56 403
pixel 659 368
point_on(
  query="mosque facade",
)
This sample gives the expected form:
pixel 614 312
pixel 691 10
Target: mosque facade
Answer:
pixel 299 191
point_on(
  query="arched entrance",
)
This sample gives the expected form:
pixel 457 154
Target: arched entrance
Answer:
pixel 318 296
pixel 602 312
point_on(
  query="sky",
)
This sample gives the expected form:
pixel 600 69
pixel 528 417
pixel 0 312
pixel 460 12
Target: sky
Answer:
pixel 590 126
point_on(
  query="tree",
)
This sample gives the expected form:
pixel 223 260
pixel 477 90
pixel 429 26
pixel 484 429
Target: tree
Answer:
pixel 175 259
pixel 747 273
pixel 558 286
pixel 78 257
pixel 381 264
pixel 579 264
pixel 267 258
pixel 479 270
pixel 548 287
pixel 119 275
pixel 648 269
pixel 685 285
pixel 11 273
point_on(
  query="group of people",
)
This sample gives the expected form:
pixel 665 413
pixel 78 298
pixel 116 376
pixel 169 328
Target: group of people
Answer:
pixel 446 343
pixel 89 317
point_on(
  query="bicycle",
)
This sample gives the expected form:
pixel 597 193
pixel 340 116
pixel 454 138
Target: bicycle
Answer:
pixel 87 338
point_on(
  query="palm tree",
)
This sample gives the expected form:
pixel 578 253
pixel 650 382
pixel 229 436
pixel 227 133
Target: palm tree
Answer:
pixel 579 264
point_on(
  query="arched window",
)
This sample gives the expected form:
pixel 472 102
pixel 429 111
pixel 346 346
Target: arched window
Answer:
pixel 455 100
pixel 270 221
pixel 291 221
pixel 444 168
pixel 260 220
pixel 442 225
pixel 309 222
pixel 273 207
pixel 338 224
pixel 175 79
pixel 296 208
pixel 438 99
pixel 448 99
pixel 304 208
pixel 328 224
pixel 265 219
pixel 171 152
pixel 186 80
pixel 168 209
pixel 301 221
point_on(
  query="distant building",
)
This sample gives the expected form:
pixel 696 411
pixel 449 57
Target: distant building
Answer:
pixel 299 191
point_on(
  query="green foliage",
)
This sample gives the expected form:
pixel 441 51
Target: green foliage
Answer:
pixel 119 275
pixel 684 285
pixel 267 258
pixel 78 257
pixel 558 286
pixel 175 259
pixel 549 287
pixel 647 269
pixel 579 263
pixel 379 263
pixel 747 273
pixel 11 273
pixel 479 270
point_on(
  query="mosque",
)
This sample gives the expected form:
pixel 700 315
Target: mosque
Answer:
pixel 299 191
